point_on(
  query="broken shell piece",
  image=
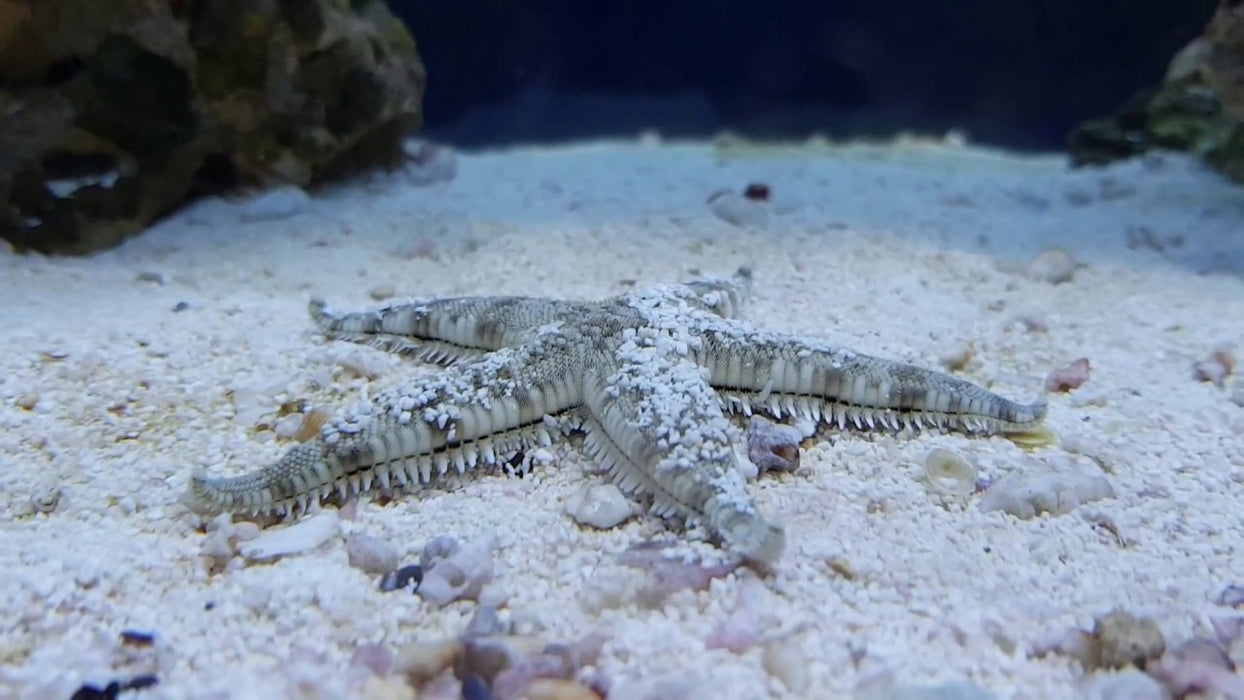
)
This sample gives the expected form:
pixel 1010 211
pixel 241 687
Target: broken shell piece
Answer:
pixel 1065 379
pixel 601 506
pixel 772 446
pixel 946 472
pixel 295 539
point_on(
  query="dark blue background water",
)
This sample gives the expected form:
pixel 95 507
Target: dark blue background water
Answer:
pixel 1012 72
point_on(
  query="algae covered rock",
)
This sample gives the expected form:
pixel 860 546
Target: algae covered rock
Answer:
pixel 1198 108
pixel 115 112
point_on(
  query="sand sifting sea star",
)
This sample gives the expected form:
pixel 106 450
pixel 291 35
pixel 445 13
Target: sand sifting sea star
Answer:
pixel 648 376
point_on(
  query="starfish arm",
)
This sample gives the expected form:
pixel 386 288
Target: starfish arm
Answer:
pixel 784 375
pixel 658 430
pixel 482 411
pixel 442 331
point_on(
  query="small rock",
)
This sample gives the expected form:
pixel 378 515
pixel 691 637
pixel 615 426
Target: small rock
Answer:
pixel 429 163
pixel 287 427
pixel 756 192
pixel 460 576
pixel 1217 367
pixel 1053 265
pixel 484 623
pixel 381 292
pixel 1232 596
pixel 1026 495
pixel 152 277
pixel 276 203
pixel 438 548
pixel 420 662
pixel 956 356
pixel 402 578
pixel 370 554
pixel 601 506
pixel 735 209
pixel 1120 639
pixel 772 446
pixel 27 401
pixel 558 689
pixel 295 539
pixel 1065 379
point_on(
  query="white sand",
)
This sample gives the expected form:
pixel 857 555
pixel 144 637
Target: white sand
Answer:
pixel 902 252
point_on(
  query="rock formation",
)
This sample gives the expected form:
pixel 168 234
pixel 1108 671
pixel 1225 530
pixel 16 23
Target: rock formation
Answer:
pixel 1198 107
pixel 115 112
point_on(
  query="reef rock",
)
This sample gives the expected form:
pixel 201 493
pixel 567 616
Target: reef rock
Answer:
pixel 115 112
pixel 1198 108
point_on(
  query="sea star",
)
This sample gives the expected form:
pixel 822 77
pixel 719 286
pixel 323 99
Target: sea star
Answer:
pixel 648 376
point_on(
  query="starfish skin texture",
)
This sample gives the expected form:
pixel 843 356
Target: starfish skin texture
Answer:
pixel 648 376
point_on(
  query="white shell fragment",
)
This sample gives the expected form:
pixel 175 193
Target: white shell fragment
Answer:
pixel 1027 495
pixel 948 473
pixel 295 539
pixel 601 506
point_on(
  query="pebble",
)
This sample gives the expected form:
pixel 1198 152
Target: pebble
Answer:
pixel 273 204
pixel 429 163
pixel 287 427
pixel 1232 596
pixel 956 355
pixel 438 548
pixel 772 446
pixel 27 401
pixel 1052 265
pixel 400 579
pixel 381 292
pixel 558 689
pixel 1120 639
pixel 1065 379
pixel 370 554
pixel 1027 495
pixel 601 506
pixel 152 277
pixel 737 210
pixel 420 662
pixel 295 539
pixel 460 576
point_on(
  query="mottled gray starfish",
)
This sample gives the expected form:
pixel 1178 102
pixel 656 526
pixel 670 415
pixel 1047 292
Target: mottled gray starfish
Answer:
pixel 648 376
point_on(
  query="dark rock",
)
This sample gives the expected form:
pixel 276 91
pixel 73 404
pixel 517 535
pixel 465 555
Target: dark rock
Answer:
pixel 1198 108
pixel 114 113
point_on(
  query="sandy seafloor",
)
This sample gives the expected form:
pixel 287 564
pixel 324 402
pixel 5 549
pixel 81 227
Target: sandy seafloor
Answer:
pixel 133 360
